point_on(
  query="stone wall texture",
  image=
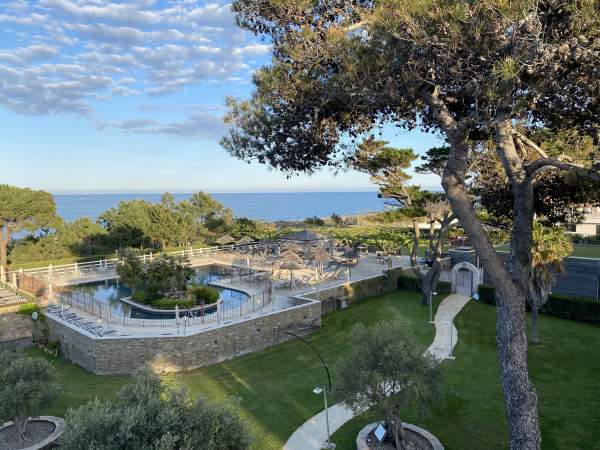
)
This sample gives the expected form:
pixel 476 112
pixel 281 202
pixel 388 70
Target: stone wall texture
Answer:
pixel 356 290
pixel 113 356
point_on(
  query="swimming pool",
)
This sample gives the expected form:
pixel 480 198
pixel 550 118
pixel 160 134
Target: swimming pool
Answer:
pixel 109 293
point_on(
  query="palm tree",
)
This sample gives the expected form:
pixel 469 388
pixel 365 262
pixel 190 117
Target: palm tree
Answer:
pixel 551 245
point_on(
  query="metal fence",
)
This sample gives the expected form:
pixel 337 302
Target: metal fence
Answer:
pixel 108 314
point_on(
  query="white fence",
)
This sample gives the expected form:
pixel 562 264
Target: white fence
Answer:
pixel 65 272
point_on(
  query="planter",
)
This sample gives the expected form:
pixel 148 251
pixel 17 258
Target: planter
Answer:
pixel 419 438
pixel 48 430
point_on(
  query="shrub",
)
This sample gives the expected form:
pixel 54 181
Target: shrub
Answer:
pixel 410 282
pixel 569 308
pixel 487 294
pixel 170 303
pixel 26 386
pixel 572 308
pixel 204 294
pixel 29 308
pixel 150 415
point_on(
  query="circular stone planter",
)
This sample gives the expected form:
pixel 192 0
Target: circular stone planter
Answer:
pixel 56 424
pixel 427 440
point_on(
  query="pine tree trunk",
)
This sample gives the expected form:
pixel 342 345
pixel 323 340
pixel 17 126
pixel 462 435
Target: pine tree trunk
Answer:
pixel 534 326
pixel 520 395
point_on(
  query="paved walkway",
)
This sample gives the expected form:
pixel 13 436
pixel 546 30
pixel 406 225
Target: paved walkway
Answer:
pixel 313 433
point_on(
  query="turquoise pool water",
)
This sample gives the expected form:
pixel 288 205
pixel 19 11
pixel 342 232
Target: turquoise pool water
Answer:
pixel 109 292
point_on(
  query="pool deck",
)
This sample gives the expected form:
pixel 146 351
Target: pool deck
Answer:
pixel 284 298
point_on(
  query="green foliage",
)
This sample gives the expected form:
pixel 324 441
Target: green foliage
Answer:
pixel 164 276
pixel 314 221
pixel 169 303
pixel 572 308
pixel 410 282
pixel 29 308
pixel 149 415
pixel 26 386
pixel 204 294
pixel 487 294
pixel 337 220
pixel 580 239
pixel 568 308
pixel 388 372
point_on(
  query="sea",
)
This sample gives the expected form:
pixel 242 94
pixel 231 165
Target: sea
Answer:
pixel 266 206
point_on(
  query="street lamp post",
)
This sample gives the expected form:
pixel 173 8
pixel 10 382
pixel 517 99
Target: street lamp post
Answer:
pixel 319 390
pixel 431 294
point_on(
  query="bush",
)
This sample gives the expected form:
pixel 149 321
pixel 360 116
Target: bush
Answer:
pixel 204 294
pixel 29 308
pixel 26 386
pixel 569 308
pixel 572 308
pixel 170 303
pixel 410 282
pixel 151 415
pixel 487 294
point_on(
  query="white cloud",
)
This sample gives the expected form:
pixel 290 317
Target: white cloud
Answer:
pixel 69 54
pixel 197 126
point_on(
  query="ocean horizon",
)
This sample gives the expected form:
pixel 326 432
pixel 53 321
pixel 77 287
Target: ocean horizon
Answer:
pixel 267 206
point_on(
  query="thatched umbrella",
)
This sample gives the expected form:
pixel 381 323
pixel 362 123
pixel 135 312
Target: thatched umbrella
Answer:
pixel 291 262
pixel 321 257
pixel 291 246
pixel 291 266
pixel 291 256
pixel 245 241
pixel 225 240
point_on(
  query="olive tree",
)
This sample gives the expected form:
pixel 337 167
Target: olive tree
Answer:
pixel 26 386
pixel 146 414
pixel 387 371
pixel 480 74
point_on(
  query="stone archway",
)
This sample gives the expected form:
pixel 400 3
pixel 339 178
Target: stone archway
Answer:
pixel 465 278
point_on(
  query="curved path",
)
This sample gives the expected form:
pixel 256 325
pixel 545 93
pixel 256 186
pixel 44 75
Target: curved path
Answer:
pixel 313 433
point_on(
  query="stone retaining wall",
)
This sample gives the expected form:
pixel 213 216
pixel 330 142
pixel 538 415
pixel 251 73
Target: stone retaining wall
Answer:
pixel 112 356
pixel 356 290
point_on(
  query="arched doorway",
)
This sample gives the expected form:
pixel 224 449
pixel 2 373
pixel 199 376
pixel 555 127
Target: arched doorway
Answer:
pixel 465 279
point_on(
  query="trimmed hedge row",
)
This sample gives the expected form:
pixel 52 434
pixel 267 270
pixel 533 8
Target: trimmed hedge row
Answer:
pixel 569 308
pixel 412 283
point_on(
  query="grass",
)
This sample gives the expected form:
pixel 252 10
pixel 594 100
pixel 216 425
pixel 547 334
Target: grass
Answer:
pixel 579 250
pixel 272 388
pixel 564 369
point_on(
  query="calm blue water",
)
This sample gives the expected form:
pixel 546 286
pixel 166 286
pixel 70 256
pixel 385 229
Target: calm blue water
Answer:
pixel 108 292
pixel 265 206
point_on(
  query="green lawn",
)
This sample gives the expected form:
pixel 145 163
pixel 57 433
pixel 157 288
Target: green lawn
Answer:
pixel 272 388
pixel 580 250
pixel 564 367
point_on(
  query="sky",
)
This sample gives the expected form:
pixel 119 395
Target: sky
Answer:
pixel 99 96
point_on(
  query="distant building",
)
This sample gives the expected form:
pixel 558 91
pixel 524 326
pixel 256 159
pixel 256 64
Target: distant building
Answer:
pixel 591 223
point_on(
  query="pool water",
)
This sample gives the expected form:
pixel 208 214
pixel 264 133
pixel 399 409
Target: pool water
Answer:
pixel 109 292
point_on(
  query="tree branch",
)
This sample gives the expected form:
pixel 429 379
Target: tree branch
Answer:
pixel 538 165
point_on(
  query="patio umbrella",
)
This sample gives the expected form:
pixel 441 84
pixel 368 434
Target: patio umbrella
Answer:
pixel 321 257
pixel 245 241
pixel 291 266
pixel 291 246
pixel 225 240
pixel 289 255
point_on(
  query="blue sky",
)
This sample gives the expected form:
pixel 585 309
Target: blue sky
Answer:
pixel 99 96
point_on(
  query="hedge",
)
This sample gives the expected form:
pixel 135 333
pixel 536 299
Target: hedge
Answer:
pixel 412 283
pixel 568 308
pixel 169 303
